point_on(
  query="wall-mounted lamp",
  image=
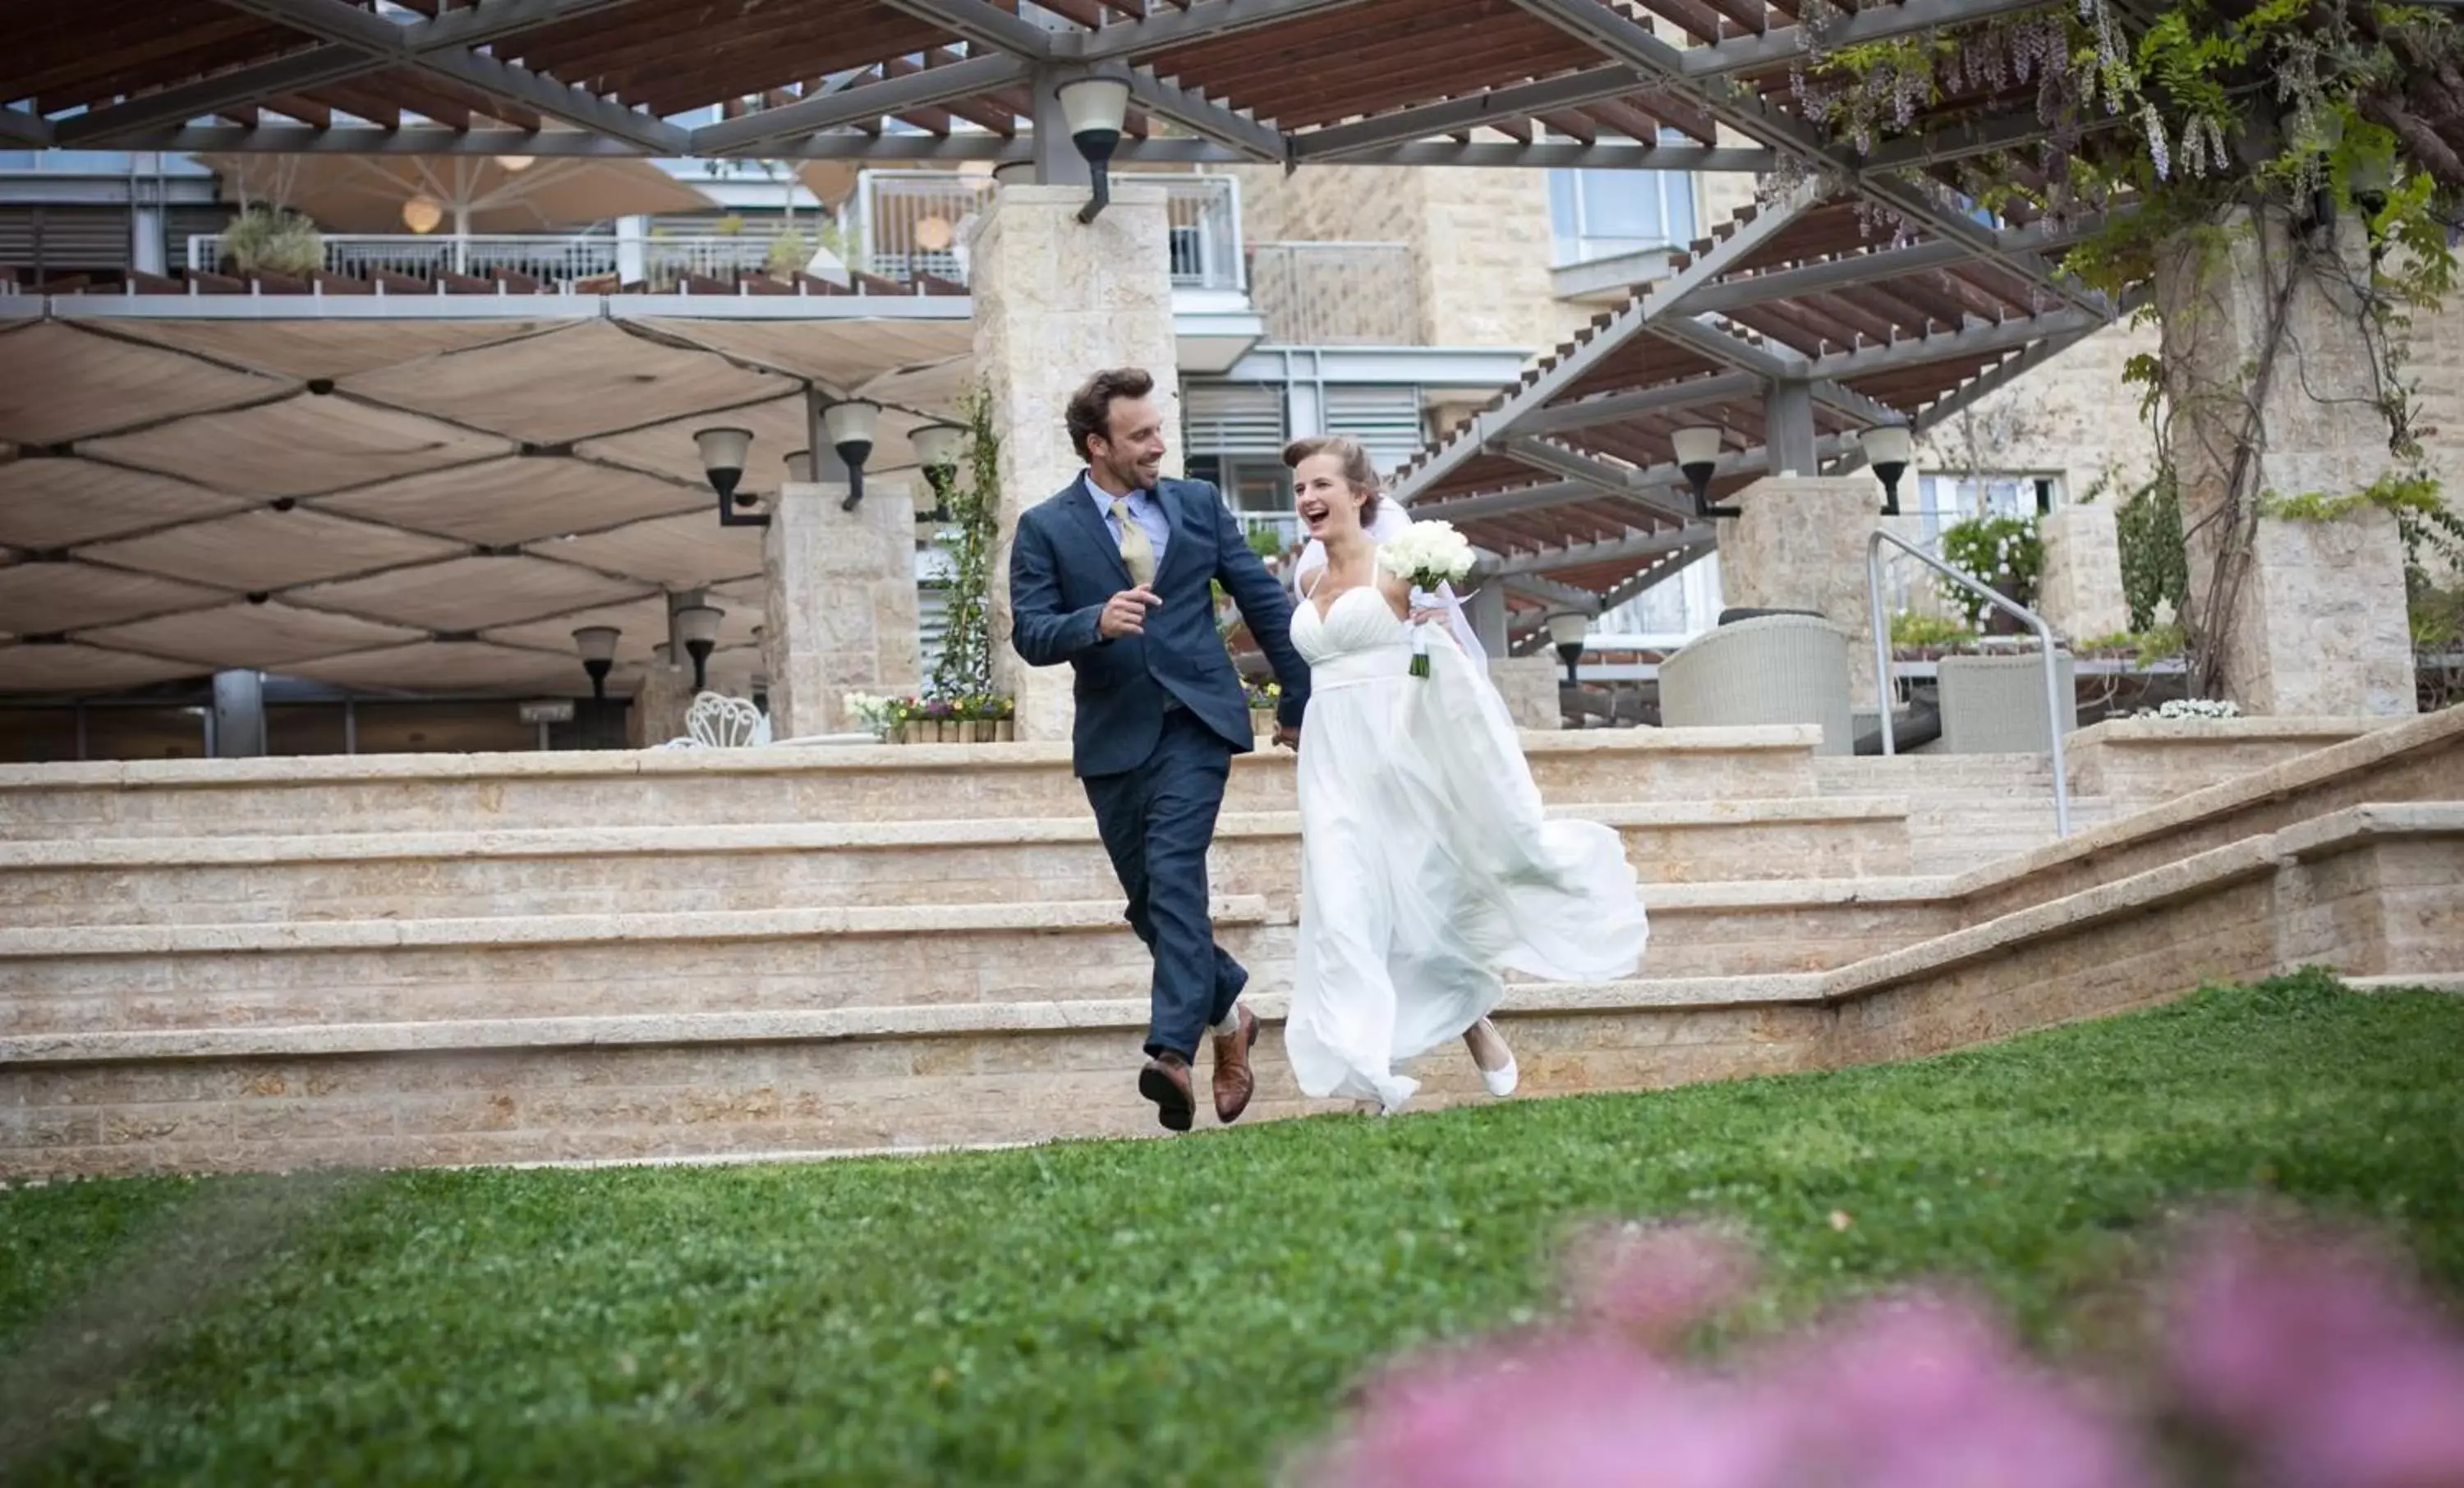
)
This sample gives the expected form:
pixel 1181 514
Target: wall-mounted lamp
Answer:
pixel 596 645
pixel 698 626
pixel 1888 447
pixel 1566 632
pixel 1096 108
pixel 849 428
pixel 723 452
pixel 800 466
pixel 1698 455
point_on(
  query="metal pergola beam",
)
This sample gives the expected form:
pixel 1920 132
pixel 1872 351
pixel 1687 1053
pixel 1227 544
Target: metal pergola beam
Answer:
pixel 1656 574
pixel 1612 408
pixel 1503 155
pixel 1191 111
pixel 1620 481
pixel 1204 21
pixel 25 127
pixel 1953 346
pixel 1777 48
pixel 758 131
pixel 1549 591
pixel 1572 89
pixel 318 66
pixel 983 25
pixel 1613 550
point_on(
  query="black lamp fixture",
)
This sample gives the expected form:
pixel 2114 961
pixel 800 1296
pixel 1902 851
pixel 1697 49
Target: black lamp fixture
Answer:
pixel 697 626
pixel 1698 455
pixel 723 452
pixel 1014 172
pixel 1566 631
pixel 1887 448
pixel 1095 107
pixel 761 693
pixel 849 428
pixel 596 645
pixel 938 448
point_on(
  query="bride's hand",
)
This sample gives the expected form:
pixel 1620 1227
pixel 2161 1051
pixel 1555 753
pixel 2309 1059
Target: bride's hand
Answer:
pixel 1436 617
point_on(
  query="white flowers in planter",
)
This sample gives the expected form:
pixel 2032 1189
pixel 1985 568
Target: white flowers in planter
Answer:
pixel 2194 707
pixel 876 715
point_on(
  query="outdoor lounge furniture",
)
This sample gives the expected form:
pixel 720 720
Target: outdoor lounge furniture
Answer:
pixel 1996 705
pixel 1773 669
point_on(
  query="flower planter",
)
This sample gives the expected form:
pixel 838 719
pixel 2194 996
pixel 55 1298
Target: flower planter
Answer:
pixel 1261 722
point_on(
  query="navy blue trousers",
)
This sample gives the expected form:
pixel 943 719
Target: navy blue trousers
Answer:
pixel 1156 822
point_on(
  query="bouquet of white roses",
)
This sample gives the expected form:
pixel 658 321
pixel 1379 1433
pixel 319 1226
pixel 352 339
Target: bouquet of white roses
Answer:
pixel 1425 555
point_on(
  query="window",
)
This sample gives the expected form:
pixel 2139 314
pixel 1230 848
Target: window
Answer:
pixel 1605 213
pixel 1946 499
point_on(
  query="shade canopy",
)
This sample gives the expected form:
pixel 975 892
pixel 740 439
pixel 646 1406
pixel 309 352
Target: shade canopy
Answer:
pixel 368 193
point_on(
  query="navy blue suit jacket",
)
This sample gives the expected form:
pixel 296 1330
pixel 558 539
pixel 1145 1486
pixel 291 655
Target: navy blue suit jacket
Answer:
pixel 1065 563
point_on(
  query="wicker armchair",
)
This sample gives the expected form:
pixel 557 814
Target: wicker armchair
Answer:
pixel 1773 669
pixel 1996 705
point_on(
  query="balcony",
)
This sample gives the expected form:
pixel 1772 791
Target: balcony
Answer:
pixel 1336 294
pixel 565 263
pixel 920 222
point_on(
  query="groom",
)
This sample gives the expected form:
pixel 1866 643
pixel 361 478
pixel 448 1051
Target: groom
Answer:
pixel 1111 575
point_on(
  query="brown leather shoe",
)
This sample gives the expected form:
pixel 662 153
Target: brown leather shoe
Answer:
pixel 1235 1081
pixel 1165 1081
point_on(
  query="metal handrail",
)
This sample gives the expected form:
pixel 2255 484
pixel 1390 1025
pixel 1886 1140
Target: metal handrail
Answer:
pixel 1883 680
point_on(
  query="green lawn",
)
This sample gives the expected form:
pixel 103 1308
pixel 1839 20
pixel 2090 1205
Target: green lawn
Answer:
pixel 1151 1311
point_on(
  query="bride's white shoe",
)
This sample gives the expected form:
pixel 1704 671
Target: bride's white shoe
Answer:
pixel 1487 1044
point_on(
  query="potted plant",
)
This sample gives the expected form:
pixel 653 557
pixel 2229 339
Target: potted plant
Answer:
pixel 274 240
pixel 2008 555
pixel 1265 697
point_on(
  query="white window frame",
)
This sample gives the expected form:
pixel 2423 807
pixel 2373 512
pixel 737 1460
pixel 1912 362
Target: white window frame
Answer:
pixel 1676 190
pixel 1946 499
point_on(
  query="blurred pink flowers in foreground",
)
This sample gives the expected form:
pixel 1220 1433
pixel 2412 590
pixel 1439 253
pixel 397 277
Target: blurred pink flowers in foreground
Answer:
pixel 2291 1359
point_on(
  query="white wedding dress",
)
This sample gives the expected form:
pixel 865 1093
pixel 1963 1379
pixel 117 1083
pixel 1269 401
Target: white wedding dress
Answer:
pixel 1426 864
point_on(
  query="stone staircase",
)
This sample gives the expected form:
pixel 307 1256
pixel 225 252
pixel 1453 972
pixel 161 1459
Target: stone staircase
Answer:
pixel 446 959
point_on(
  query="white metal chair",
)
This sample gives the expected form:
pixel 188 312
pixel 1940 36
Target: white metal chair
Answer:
pixel 718 721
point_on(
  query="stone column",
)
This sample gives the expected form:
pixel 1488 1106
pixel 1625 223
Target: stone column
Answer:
pixel 2298 617
pixel 839 603
pixel 2079 593
pixel 661 701
pixel 1800 545
pixel 1056 299
pixel 1528 683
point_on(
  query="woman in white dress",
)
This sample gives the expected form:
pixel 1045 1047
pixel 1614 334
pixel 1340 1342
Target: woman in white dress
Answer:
pixel 1426 864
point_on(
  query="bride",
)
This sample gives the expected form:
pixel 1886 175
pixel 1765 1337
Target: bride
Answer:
pixel 1426 866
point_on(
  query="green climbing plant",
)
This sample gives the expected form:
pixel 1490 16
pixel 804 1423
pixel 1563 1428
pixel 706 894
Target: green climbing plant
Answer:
pixel 965 668
pixel 2155 563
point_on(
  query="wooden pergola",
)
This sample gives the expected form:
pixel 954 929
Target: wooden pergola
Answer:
pixel 1868 293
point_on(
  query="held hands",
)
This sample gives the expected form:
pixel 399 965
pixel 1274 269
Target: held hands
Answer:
pixel 1125 614
pixel 1288 736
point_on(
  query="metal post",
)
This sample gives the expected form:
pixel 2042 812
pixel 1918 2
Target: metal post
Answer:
pixel 1885 687
pixel 1057 160
pixel 1994 597
pixel 1788 432
pixel 238 715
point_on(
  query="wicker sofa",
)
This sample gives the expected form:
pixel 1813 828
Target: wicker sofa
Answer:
pixel 1769 668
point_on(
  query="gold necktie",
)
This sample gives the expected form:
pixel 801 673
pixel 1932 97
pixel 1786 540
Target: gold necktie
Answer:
pixel 1135 551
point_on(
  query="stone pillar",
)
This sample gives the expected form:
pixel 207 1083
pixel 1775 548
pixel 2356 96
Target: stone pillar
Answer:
pixel 1528 683
pixel 660 703
pixel 1800 545
pixel 2297 618
pixel 839 603
pixel 2079 593
pixel 1056 299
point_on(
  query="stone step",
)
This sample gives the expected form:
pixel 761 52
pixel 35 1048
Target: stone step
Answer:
pixel 426 792
pixel 131 977
pixel 2375 889
pixel 457 874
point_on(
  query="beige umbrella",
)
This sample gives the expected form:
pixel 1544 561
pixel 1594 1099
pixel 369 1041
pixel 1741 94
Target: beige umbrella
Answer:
pixel 421 193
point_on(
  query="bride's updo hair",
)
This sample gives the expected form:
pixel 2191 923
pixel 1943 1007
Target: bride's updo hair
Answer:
pixel 1357 472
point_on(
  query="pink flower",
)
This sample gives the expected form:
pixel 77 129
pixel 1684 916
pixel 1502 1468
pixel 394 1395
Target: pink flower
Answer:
pixel 1657 1281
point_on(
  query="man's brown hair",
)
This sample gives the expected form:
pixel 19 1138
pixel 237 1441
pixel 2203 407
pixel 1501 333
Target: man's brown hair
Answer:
pixel 1090 406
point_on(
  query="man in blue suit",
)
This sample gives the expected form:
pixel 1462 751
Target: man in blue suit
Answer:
pixel 1111 575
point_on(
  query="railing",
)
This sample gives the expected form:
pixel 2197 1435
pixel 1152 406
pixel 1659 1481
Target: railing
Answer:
pixel 913 222
pixel 1284 525
pixel 1335 294
pixel 557 262
pixel 1883 680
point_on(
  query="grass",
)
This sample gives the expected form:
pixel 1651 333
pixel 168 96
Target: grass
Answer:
pixel 1179 1311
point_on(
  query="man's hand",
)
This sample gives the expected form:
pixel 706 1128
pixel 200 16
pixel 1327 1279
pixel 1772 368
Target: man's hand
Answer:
pixel 1125 614
pixel 1288 736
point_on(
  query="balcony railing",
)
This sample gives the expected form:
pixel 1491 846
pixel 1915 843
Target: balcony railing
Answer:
pixel 1335 294
pixel 922 221
pixel 557 263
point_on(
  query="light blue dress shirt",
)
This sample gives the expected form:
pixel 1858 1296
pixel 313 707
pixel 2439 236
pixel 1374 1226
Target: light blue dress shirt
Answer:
pixel 1144 510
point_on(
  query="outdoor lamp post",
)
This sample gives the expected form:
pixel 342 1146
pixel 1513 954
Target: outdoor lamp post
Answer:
pixel 699 625
pixel 596 645
pixel 849 428
pixel 1698 454
pixel 938 448
pixel 1094 108
pixel 723 451
pixel 1888 448
pixel 1566 631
